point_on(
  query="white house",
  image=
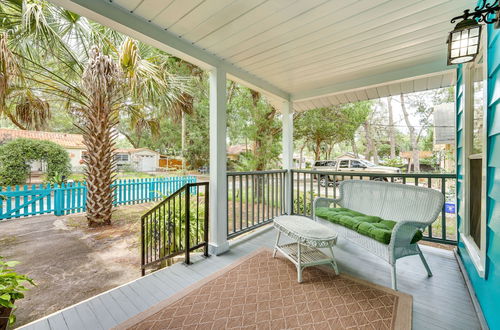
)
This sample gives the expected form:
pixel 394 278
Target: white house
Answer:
pixel 72 143
pixel 142 159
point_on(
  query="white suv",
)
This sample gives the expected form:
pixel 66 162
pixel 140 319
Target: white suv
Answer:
pixel 354 166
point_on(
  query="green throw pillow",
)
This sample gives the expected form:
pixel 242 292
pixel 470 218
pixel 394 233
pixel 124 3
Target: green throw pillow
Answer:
pixel 367 225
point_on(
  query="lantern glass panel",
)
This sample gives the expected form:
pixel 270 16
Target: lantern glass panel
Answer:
pixel 463 44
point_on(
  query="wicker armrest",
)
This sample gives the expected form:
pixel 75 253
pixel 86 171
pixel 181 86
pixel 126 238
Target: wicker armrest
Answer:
pixel 404 231
pixel 324 202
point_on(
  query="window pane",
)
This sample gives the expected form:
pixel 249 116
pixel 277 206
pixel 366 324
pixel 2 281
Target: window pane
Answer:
pixel 475 186
pixel 356 164
pixel 121 157
pixel 478 107
pixel 344 164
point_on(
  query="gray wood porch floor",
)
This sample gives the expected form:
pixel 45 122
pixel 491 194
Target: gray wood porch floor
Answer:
pixel 439 302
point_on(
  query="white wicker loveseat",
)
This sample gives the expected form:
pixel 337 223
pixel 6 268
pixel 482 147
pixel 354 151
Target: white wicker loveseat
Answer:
pixel 412 209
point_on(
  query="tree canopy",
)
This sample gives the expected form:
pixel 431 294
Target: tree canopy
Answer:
pixel 323 128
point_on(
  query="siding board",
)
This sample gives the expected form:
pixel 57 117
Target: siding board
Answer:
pixel 487 289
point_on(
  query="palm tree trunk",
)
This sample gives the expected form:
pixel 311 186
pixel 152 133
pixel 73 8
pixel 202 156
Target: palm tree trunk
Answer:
pixel 99 140
pixel 100 118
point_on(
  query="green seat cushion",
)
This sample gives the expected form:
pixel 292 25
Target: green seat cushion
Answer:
pixel 367 225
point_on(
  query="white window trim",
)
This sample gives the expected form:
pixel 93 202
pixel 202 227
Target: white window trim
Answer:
pixel 476 253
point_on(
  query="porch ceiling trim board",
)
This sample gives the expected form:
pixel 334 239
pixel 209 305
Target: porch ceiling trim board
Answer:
pixel 424 77
pixel 417 84
pixel 126 22
pixel 436 67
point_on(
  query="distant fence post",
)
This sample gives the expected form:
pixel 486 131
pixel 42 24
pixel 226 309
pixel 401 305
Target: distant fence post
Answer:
pixel 58 200
pixel 152 193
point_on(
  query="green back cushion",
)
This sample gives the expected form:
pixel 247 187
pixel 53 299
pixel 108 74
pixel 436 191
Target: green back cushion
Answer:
pixel 374 227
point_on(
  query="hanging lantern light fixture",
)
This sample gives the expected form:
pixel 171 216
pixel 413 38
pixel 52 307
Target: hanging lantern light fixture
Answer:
pixel 463 41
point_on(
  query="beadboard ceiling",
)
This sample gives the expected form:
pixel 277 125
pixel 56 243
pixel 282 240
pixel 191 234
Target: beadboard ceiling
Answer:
pixel 304 49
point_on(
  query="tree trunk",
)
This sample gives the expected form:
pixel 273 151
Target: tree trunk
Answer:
pixel 317 149
pixel 101 82
pixel 392 137
pixel 98 137
pixel 329 151
pixel 354 147
pixel 368 150
pixel 259 166
pixel 413 138
pixel 262 133
pixel 371 149
pixel 131 140
pixel 183 141
pixel 301 155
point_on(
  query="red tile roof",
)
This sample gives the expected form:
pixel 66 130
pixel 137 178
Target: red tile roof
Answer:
pixel 238 149
pixel 72 141
pixel 132 150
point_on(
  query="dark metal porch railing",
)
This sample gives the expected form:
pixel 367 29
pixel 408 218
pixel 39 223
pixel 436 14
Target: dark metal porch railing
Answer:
pixel 254 199
pixel 306 185
pixel 177 225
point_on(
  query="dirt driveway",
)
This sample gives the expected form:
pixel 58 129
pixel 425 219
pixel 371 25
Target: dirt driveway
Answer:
pixel 69 262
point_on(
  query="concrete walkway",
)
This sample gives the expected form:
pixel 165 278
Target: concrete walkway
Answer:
pixel 68 265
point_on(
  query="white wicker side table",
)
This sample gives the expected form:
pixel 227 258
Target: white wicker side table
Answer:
pixel 308 235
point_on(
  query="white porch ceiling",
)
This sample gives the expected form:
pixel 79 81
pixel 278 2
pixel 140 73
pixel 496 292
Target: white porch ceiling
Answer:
pixel 297 49
pixel 404 86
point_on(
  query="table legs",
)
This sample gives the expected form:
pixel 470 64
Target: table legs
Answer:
pixel 298 261
pixel 334 262
pixel 276 245
pixel 299 265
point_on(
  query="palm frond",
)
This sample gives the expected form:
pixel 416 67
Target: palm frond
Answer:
pixel 32 111
pixel 9 71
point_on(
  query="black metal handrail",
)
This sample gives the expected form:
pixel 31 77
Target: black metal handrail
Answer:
pixel 178 224
pixel 308 184
pixel 254 199
pixel 381 175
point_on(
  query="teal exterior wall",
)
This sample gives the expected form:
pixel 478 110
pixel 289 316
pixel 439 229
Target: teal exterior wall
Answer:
pixel 488 288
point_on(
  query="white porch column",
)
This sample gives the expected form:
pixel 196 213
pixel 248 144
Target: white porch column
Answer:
pixel 287 153
pixel 218 242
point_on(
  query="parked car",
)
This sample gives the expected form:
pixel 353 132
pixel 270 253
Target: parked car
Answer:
pixel 351 166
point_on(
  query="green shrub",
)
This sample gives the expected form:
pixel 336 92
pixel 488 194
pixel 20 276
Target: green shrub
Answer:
pixel 11 286
pixel 165 230
pixel 16 155
pixel 393 162
pixel 298 203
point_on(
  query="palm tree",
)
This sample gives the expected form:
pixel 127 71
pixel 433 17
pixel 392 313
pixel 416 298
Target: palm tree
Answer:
pixel 100 85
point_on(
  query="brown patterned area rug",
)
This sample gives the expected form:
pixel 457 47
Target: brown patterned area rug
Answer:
pixel 261 292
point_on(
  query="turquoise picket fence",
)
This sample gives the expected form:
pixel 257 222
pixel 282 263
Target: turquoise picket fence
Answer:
pixel 23 201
